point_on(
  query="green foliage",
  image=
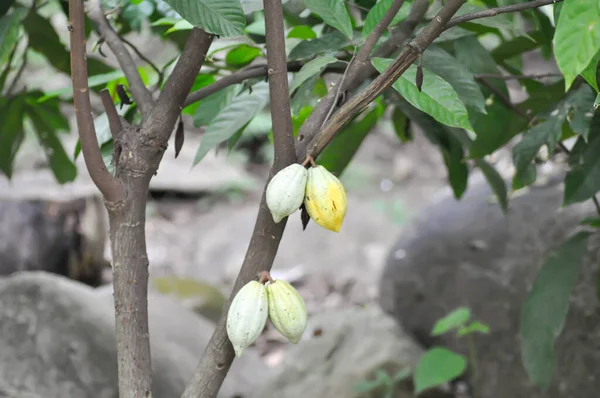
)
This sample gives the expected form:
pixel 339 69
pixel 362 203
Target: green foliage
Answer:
pixel 438 366
pixel 310 69
pixel 333 13
pixel 378 11
pixel 546 307
pixel 221 17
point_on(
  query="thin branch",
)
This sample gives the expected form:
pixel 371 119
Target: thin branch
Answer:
pixel 109 186
pixel 378 30
pixel 13 85
pixel 145 59
pixel 139 91
pixel 410 53
pixel 170 102
pixel 242 75
pixel 492 12
pixel 114 120
pixel 264 243
pixel 503 98
pixel 517 77
pixel 339 88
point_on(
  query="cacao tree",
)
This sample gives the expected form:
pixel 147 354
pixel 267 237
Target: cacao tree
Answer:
pixel 442 65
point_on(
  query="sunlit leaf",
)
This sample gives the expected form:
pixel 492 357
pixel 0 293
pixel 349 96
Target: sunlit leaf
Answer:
pixel 221 17
pixel 333 13
pixel 436 367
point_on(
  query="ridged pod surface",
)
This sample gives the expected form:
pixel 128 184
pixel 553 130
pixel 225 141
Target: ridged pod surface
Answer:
pixel 325 198
pixel 247 316
pixel 287 310
pixel 285 191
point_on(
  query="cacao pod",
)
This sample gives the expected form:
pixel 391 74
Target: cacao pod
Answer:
pixel 285 191
pixel 287 310
pixel 247 316
pixel 325 198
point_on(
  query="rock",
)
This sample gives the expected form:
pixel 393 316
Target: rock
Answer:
pixel 67 237
pixel 57 341
pixel 467 253
pixel 340 349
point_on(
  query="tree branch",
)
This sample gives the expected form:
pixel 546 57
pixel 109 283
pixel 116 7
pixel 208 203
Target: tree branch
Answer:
pixel 266 237
pixel 170 102
pixel 375 35
pixel 109 186
pixel 492 12
pixel 139 91
pixel 114 120
pixel 145 59
pixel 386 79
pixel 356 76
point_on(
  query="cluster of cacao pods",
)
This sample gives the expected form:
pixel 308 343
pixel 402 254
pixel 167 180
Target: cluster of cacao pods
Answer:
pixel 278 301
pixel 321 192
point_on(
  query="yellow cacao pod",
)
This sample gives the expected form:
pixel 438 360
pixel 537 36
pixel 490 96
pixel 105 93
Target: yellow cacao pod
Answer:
pixel 287 310
pixel 325 198
pixel 247 316
pixel 285 191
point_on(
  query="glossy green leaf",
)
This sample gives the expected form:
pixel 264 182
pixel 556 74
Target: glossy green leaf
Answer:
pixel 301 32
pixel 232 118
pixel 451 321
pixel 221 17
pixel 333 13
pixel 379 10
pixel 9 32
pixel 437 97
pixel 340 151
pixel 436 367
pixel 11 131
pixel 495 181
pixel 179 26
pixel 546 307
pixel 242 55
pixel 460 78
pixel 577 37
pixel 591 71
pixel 310 69
pixel 209 107
pixel 330 42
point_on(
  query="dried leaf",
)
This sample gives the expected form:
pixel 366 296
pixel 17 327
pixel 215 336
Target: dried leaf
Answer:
pixel 304 217
pixel 419 78
pixel 179 137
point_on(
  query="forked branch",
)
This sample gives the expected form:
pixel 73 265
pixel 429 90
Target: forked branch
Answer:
pixel 110 187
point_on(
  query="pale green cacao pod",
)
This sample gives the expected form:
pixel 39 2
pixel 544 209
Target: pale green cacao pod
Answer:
pixel 247 316
pixel 285 191
pixel 287 310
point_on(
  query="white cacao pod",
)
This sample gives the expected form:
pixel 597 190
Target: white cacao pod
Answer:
pixel 247 316
pixel 285 191
pixel 325 200
pixel 287 310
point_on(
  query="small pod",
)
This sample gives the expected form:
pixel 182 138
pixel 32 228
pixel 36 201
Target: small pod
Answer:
pixel 247 316
pixel 325 198
pixel 285 191
pixel 287 310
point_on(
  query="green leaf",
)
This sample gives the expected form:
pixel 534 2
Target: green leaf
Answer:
pixel 401 125
pixel 581 109
pixel 590 72
pixel 209 107
pixel 473 327
pixel 330 42
pixel 500 21
pixel 221 17
pixel 379 10
pixel 517 46
pixel 493 130
pixel 310 69
pixel 583 178
pixel 301 32
pixel 577 37
pixel 63 168
pixel 242 55
pixel 460 78
pixel 9 32
pixel 11 131
pixel 436 367
pixel 179 26
pixel 453 320
pixel 202 80
pixel 437 98
pixel 340 151
pixel 233 117
pixel 333 13
pixel 547 305
pixel 304 94
pixel 495 181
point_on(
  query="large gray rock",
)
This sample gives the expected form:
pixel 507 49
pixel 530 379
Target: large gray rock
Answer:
pixel 350 345
pixel 57 341
pixel 468 253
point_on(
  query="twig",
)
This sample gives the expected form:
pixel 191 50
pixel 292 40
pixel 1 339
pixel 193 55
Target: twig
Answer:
pixel 17 75
pixel 492 12
pixel 503 98
pixel 139 91
pixel 378 30
pixel 517 77
pixel 242 75
pixel 109 186
pixel 145 59
pixel 264 243
pixel 114 120
pixel 168 106
pixel 339 88
pixel 410 53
